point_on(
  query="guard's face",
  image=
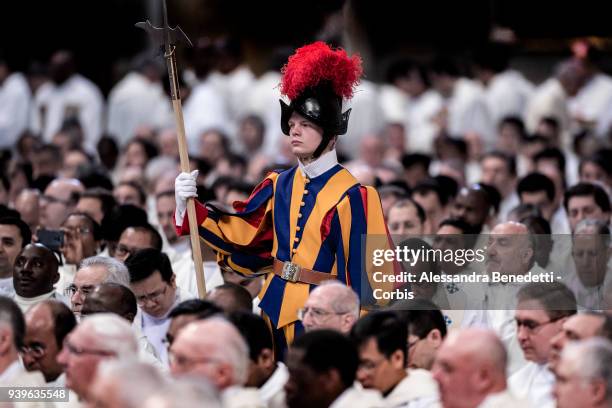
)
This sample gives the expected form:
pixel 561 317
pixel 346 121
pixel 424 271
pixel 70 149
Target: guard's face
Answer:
pixel 305 136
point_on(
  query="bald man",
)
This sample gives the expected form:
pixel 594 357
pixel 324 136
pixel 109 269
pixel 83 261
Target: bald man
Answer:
pixel 331 305
pixel 222 359
pixel 98 338
pixel 473 205
pixel 470 369
pixel 510 251
pixel 59 200
pixel 110 297
pixel 47 324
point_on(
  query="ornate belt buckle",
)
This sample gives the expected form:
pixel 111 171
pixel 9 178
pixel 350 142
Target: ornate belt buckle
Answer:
pixel 291 271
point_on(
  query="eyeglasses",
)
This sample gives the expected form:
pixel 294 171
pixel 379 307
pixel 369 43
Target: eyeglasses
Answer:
pixel 153 296
pixel 532 326
pixel 79 351
pixel 316 313
pixel 72 289
pixel 123 250
pixel 36 350
pixel 369 365
pixel 167 341
pixel 53 200
pixel 71 231
pixel 413 343
pixel 179 360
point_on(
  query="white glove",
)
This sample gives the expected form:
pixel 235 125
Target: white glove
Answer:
pixel 184 187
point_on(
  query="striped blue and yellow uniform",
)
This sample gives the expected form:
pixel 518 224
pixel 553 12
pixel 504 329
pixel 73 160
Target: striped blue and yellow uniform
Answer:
pixel 317 223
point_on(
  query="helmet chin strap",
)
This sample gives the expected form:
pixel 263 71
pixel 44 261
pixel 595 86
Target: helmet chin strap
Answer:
pixel 322 146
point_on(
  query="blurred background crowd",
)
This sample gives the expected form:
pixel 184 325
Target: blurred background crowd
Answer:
pixel 470 119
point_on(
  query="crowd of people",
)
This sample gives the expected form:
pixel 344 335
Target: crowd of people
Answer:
pixel 98 289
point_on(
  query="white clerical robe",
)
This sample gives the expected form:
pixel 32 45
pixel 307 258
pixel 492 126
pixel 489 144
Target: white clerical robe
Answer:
pixel 534 383
pixel 15 100
pixel 78 98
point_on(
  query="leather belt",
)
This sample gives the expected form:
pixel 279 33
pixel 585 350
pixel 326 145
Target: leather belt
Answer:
pixel 293 272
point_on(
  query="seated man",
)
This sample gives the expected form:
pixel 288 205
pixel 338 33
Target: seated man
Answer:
pixel 426 331
pixel 578 327
pixel 125 384
pixel 590 255
pixel 82 239
pixel 265 373
pixel 470 368
pixel 145 236
pixel 231 298
pixel 98 338
pixel 380 338
pixel 118 299
pixel 584 376
pixel 406 217
pixel 35 273
pixel 541 311
pixel 222 358
pixel 186 312
pixel 331 305
pixel 91 273
pixel 14 236
pixel 12 329
pixel 47 324
pixel 59 200
pixel 586 201
pixel 188 392
pixel 322 368
pixel 153 282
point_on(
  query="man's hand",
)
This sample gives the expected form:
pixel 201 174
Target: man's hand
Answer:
pixel 184 187
pixel 73 246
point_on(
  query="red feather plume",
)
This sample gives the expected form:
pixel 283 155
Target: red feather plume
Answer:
pixel 317 62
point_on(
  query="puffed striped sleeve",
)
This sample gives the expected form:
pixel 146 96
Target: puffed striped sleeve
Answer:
pixel 243 239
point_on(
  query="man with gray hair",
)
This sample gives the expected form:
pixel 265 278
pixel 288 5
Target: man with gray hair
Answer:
pixel 331 305
pixel 222 359
pixel 184 393
pixel 12 331
pixel 590 253
pixel 92 272
pixel 124 384
pixel 99 337
pixel 584 378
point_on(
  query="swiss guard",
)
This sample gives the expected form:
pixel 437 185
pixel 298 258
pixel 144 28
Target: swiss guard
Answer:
pixel 305 225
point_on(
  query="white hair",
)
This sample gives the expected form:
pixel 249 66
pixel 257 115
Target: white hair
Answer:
pixel 136 380
pixel 228 345
pixel 158 167
pixel 184 393
pixel 111 333
pixel 117 271
pixel 345 301
pixel 592 360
